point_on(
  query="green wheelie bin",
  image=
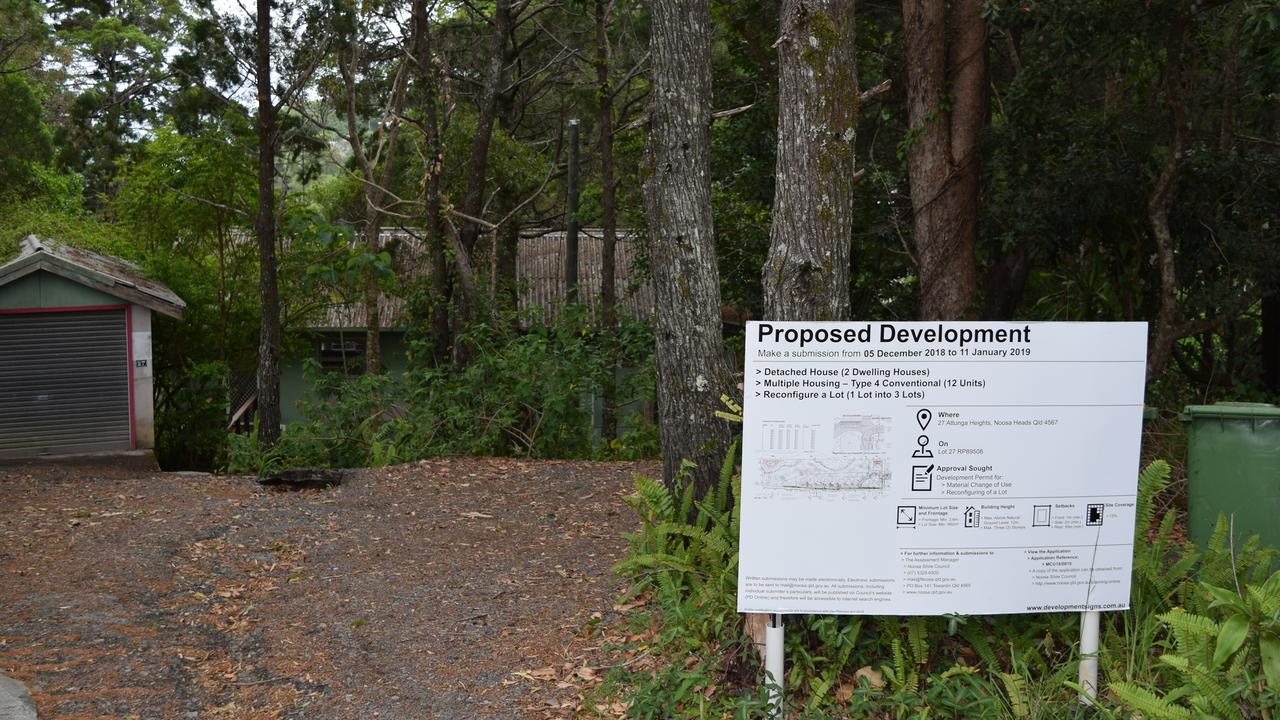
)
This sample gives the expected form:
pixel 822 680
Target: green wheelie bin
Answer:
pixel 1233 468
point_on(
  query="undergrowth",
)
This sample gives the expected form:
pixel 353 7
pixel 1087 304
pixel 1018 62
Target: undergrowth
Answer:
pixel 522 393
pixel 1201 640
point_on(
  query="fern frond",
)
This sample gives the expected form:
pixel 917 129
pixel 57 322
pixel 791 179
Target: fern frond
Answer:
pixel 1212 693
pixel 685 491
pixel 654 561
pixel 1148 703
pixel 956 670
pixel 1152 481
pixel 916 639
pixel 1191 631
pixel 652 500
pixel 978 639
pixel 887 627
pixel 724 486
pixel 1218 541
pixel 900 663
pixel 1016 689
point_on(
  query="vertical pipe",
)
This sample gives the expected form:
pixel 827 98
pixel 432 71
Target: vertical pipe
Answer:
pixel 571 221
pixel 1089 622
pixel 773 663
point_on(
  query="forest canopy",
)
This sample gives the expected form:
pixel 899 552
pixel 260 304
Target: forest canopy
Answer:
pixel 994 159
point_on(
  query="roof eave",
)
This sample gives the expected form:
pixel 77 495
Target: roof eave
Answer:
pixel 101 282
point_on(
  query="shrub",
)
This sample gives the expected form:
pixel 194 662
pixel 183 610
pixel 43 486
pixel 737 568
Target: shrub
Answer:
pixel 525 394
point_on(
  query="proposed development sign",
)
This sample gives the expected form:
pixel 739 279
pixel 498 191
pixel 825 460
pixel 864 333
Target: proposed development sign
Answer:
pixel 930 468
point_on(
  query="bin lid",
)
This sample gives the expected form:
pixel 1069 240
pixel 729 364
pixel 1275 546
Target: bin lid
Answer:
pixel 1245 410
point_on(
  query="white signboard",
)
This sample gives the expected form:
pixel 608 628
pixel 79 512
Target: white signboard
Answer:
pixel 910 468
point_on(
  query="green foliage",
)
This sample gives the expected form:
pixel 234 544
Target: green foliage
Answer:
pixel 1160 659
pixel 26 145
pixel 524 393
pixel 48 218
pixel 121 49
pixel 1225 663
pixel 349 424
pixel 191 417
pixel 686 556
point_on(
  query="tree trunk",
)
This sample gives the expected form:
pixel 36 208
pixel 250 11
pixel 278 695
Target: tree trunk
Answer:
pixel 806 275
pixel 265 228
pixel 426 97
pixel 609 228
pixel 946 109
pixel 692 372
pixel 1006 280
pixel 1167 329
pixel 462 244
pixel 1271 343
pixel 487 113
pixel 372 309
pixel 375 182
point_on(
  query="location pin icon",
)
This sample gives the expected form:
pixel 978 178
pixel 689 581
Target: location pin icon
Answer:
pixel 923 416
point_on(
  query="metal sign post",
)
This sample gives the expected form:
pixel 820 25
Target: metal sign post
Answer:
pixel 773 662
pixel 1089 622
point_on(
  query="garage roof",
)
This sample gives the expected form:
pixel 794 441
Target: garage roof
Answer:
pixel 104 273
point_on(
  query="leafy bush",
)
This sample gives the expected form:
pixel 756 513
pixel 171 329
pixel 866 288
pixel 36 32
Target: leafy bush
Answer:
pixel 191 417
pixel 522 394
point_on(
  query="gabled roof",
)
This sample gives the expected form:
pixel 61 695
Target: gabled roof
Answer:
pixel 104 273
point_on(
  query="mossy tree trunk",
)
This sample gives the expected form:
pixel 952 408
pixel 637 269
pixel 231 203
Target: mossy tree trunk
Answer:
pixel 806 276
pixel 692 369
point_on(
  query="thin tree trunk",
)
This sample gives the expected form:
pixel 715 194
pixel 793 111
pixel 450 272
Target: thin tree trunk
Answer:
pixel 609 227
pixel 946 109
pixel 1161 201
pixel 807 272
pixel 463 243
pixel 375 183
pixel 692 371
pixel 265 228
pixel 508 248
pixel 1006 280
pixel 428 100
pixel 1271 343
pixel 478 159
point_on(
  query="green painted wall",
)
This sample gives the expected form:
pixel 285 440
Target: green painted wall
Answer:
pixel 41 289
pixel 294 387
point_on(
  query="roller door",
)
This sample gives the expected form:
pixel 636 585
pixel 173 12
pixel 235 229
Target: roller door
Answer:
pixel 64 383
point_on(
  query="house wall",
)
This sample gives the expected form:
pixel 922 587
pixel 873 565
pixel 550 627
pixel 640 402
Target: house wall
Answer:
pixel 294 387
pixel 144 413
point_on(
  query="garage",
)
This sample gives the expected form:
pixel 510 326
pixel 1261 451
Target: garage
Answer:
pixel 75 334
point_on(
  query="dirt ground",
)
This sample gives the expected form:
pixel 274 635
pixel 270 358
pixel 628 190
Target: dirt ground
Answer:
pixel 460 588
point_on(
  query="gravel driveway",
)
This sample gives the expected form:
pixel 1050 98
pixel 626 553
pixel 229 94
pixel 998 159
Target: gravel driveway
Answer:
pixel 460 588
